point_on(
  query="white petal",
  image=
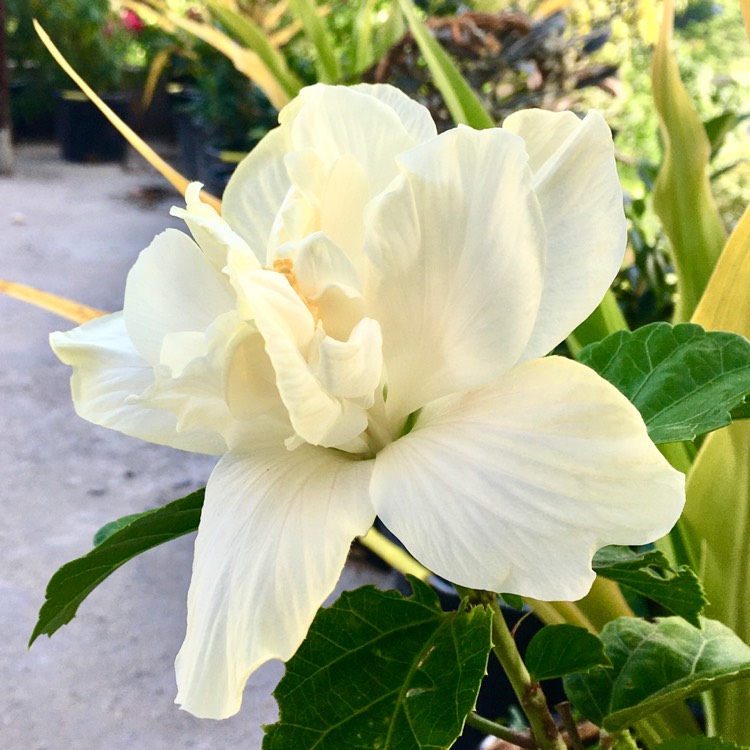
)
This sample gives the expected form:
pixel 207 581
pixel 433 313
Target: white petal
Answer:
pixel 221 380
pixel 214 236
pixel 335 121
pixel 256 191
pixel 108 373
pixel 513 487
pixel 576 182
pixel 326 197
pixel 172 288
pixel 543 132
pixel 414 117
pixel 352 368
pixel 274 534
pixel 352 134
pixel 319 264
pixel 289 331
pixel 457 248
pixel 342 205
pixel 251 381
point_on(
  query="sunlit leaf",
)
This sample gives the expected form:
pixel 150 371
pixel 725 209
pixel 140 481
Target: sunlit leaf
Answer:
pixel 725 305
pixel 459 97
pixel 395 555
pixel 363 36
pixel 745 6
pixel 655 664
pixel 718 128
pixel 255 38
pixel 649 573
pixel 682 193
pixel 165 170
pixel 326 61
pixel 648 21
pixel 248 62
pixel 700 743
pixel 716 522
pixel 549 7
pixel 607 318
pixel 684 381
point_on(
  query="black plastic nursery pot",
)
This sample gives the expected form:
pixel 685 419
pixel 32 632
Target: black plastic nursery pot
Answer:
pixel 190 135
pixel 216 166
pixel 84 133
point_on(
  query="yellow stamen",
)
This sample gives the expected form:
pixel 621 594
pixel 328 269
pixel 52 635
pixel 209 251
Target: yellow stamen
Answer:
pixel 285 266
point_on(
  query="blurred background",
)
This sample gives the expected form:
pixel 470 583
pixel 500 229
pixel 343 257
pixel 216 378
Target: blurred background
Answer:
pixel 210 76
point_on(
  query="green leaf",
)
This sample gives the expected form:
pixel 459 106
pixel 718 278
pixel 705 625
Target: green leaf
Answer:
pixel 363 36
pixel 110 528
pixel 380 671
pixel 326 62
pixel 649 573
pixel 718 128
pixel 255 39
pixel 700 743
pixel 459 97
pixel 77 579
pixel 682 193
pixel 684 381
pixel 557 650
pixel 742 411
pixel 655 664
pixel 512 600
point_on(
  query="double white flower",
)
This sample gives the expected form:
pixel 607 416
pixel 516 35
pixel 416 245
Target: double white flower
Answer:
pixel 363 332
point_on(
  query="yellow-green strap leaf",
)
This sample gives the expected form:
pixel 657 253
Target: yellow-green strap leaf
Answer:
pixel 326 61
pixel 255 38
pixel 682 193
pixel 462 102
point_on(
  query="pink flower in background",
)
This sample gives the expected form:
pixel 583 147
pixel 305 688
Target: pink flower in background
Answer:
pixel 132 21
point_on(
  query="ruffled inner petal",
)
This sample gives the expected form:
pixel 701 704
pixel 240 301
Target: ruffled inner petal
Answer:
pixel 292 341
pixel 214 236
pixel 173 287
pixel 457 248
pixel 109 375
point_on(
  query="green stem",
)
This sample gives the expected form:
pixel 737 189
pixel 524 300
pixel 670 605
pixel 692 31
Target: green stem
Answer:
pixel 619 741
pixel 498 730
pixel 555 613
pixel 529 693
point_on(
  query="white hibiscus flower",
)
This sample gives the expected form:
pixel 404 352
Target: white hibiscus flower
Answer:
pixel 363 332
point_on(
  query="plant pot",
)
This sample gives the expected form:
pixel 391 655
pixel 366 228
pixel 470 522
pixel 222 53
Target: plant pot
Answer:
pixel 84 133
pixel 190 135
pixel 215 167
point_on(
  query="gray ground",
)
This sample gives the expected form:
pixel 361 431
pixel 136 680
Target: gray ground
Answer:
pixel 106 680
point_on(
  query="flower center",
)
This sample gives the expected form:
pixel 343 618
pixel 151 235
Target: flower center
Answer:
pixel 285 266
